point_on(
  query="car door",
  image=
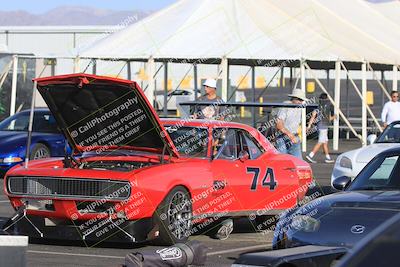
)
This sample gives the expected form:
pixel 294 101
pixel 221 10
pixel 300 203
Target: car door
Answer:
pixel 270 182
pixel 226 170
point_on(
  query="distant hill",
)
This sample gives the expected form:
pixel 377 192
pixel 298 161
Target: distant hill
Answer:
pixel 71 15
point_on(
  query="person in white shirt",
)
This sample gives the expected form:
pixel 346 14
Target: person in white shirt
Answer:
pixel 391 110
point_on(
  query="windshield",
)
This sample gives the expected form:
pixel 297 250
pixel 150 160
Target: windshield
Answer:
pixel 382 173
pixel 189 141
pixel 391 134
pixel 42 122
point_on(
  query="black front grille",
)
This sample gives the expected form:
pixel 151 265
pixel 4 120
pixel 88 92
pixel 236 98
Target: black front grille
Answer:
pixel 61 187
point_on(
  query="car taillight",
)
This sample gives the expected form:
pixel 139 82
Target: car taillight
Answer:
pixel 304 174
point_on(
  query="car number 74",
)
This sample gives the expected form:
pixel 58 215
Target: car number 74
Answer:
pixel 268 180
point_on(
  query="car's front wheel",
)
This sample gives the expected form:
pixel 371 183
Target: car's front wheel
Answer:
pixel 40 151
pixel 174 217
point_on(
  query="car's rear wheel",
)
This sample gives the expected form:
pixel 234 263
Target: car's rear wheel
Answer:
pixel 40 151
pixel 174 217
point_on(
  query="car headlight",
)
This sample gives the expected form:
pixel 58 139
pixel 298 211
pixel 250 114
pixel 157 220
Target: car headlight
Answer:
pixel 305 223
pixel 345 162
pixel 11 160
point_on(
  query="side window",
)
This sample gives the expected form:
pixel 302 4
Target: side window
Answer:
pixel 249 145
pixel 225 145
pixel 45 123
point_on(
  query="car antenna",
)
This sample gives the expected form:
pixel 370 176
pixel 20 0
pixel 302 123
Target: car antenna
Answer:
pixel 28 142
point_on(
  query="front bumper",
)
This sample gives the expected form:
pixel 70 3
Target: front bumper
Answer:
pixel 104 230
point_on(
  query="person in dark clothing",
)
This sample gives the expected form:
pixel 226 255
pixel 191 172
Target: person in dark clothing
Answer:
pixel 323 116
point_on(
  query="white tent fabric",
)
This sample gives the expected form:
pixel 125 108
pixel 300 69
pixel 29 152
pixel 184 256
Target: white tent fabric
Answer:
pixel 321 30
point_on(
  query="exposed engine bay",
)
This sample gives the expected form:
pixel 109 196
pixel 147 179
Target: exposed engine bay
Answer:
pixel 122 166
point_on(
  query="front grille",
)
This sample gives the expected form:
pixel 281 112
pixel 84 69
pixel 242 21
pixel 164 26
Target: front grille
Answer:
pixel 60 187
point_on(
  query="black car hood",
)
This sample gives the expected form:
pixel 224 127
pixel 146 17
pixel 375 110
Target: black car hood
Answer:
pixel 346 217
pixel 99 113
pixel 364 199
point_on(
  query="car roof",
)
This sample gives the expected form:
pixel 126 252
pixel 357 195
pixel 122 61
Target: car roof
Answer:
pixel 205 123
pixel 390 151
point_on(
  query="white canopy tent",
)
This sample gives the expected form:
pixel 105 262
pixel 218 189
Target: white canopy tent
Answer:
pixel 302 33
pixel 319 30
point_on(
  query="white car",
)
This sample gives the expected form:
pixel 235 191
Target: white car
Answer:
pixel 352 162
pixel 174 97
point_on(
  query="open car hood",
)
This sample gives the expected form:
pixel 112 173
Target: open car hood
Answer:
pixel 99 113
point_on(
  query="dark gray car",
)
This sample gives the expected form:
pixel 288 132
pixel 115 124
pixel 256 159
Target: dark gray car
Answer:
pixel 344 218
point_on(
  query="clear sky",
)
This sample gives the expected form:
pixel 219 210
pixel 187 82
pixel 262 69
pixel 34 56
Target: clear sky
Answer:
pixel 41 6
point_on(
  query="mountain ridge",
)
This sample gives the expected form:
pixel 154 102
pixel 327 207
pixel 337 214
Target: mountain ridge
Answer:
pixel 71 16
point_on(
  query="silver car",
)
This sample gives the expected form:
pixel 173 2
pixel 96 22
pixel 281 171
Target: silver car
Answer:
pixel 352 162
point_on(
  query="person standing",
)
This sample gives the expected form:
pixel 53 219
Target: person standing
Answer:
pixel 391 110
pixel 323 115
pixel 288 121
pixel 212 111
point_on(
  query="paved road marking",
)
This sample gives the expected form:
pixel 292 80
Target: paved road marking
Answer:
pixel 4 201
pixel 236 250
pixel 120 257
pixel 74 254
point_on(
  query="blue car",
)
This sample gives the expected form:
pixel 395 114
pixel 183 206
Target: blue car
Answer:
pixel 47 140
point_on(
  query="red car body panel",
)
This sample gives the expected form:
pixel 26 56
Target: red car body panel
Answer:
pixel 240 194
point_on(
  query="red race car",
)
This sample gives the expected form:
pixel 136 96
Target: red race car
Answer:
pixel 133 177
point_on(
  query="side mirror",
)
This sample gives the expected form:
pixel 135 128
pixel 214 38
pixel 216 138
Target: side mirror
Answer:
pixel 371 139
pixel 341 182
pixel 243 156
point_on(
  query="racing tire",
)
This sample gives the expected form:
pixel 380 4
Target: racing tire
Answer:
pixel 40 151
pixel 174 217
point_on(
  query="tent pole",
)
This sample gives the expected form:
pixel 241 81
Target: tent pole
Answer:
pixel 364 103
pixel 14 85
pixel 225 78
pixel 151 71
pixel 165 107
pixel 195 81
pixel 94 67
pixel 337 101
pixel 303 110
pixel 395 71
pixel 253 95
pixel 129 70
pixel 76 65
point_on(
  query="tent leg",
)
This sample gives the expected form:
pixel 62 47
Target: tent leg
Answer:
pixel 303 110
pixel 128 70
pixel 253 95
pixel 337 101
pixel 76 65
pixel 395 72
pixel 364 103
pixel 14 85
pixel 195 83
pixel 165 106
pixel 225 78
pixel 94 67
pixel 149 92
